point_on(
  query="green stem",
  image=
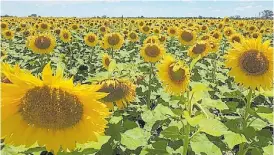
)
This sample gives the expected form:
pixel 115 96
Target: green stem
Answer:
pixel 242 150
pixel 187 131
pixel 149 86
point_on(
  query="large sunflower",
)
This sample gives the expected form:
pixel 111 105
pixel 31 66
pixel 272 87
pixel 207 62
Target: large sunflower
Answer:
pixel 152 52
pixel 174 75
pixel 114 40
pixel 200 48
pixel 41 43
pixel 187 37
pixel 53 111
pixel 251 63
pixel 120 92
pixel 91 39
pixel 65 36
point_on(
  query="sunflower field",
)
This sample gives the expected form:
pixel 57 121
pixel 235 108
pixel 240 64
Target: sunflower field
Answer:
pixel 132 86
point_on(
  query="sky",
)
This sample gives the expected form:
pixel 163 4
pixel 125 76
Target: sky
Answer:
pixel 114 8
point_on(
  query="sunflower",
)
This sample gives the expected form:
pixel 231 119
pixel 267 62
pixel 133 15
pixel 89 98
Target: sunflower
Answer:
pixel 91 39
pixel 145 29
pixel 151 39
pixel 120 92
pixel 41 43
pixel 226 19
pixel 156 30
pixel 251 63
pixel 103 29
pixel 187 37
pixel 236 37
pixel 228 31
pixel 113 40
pixel 43 26
pixel 204 28
pixel 216 35
pixel 255 35
pixel 53 111
pixel 8 34
pixel 133 36
pixel 74 27
pixel 65 36
pixel 162 39
pixel 252 28
pixel 174 75
pixel 172 31
pixel 200 48
pixel 106 60
pixel 220 26
pixel 4 26
pixel 214 46
pixel 152 52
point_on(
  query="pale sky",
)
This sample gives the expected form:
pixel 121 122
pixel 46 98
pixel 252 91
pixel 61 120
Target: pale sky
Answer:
pixel 114 8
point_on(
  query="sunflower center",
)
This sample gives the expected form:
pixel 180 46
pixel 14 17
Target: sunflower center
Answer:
pixel 216 35
pixel 116 92
pixel 91 39
pixel 42 42
pixel 236 39
pixel 44 26
pixel 228 32
pixel 186 36
pixel 172 31
pixel 65 35
pixel 205 38
pixel 3 25
pixel 113 40
pixel 152 51
pixel 162 38
pixel 255 35
pixel 107 61
pixel 251 28
pixel 57 31
pixel 145 28
pixel 176 76
pixel 74 27
pixel 8 33
pixel 156 31
pixel 102 29
pixel 51 108
pixel 199 48
pixel 204 27
pixel 254 63
pixel 133 36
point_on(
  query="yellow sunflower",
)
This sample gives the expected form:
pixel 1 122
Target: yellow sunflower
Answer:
pixel 53 111
pixel 217 35
pixel 133 36
pixel 43 26
pixel 145 29
pixel 8 34
pixel 106 60
pixel 172 31
pixel 228 31
pixel 120 92
pixel 214 46
pixel 113 40
pixel 91 39
pixel 162 38
pixel 200 48
pixel 251 63
pixel 236 37
pixel 151 39
pixel 41 43
pixel 103 30
pixel 65 36
pixel 152 52
pixel 4 26
pixel 187 37
pixel 174 75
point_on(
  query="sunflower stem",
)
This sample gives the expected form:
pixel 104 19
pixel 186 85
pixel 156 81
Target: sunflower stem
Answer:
pixel 187 129
pixel 242 150
pixel 149 86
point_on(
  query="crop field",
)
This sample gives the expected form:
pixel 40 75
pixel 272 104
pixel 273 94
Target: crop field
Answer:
pixel 136 86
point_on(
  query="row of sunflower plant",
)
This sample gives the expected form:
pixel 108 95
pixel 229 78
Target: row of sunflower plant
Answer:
pixel 125 86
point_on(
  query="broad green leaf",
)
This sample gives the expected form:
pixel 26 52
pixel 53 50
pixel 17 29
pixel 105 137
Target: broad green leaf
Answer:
pixel 268 150
pixel 134 138
pixel 218 104
pixel 199 91
pixel 94 145
pixel 267 116
pixel 115 119
pixel 193 121
pixel 257 124
pixel 233 139
pixel 200 144
pixel 171 132
pixel 112 65
pixel 212 127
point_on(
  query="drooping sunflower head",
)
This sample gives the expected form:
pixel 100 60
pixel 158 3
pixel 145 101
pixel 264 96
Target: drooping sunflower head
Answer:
pixel 114 40
pixel 236 37
pixel 152 52
pixel 174 75
pixel 106 61
pixel 4 26
pixel 91 39
pixel 200 48
pixel 120 92
pixel 251 63
pixel 133 36
pixel 65 36
pixel 41 43
pixel 50 108
pixel 172 31
pixel 8 34
pixel 187 37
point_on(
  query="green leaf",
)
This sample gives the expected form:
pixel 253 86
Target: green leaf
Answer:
pixel 171 132
pixel 267 116
pixel 94 145
pixel 112 65
pixel 218 104
pixel 233 139
pixel 268 150
pixel 194 61
pixel 200 144
pixel 115 119
pixel 134 138
pixel 212 127
pixel 257 124
pixel 199 91
pixel 193 121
